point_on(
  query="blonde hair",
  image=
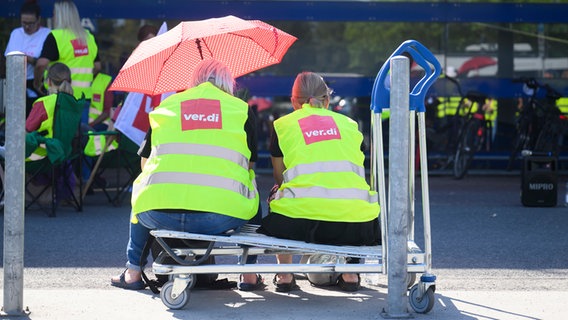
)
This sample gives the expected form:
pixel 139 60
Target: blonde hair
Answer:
pixel 67 17
pixel 59 77
pixel 310 88
pixel 213 71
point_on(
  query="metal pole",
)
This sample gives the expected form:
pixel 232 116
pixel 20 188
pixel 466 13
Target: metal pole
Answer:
pixel 378 180
pixel 398 195
pixel 14 187
pixel 425 189
pixel 411 174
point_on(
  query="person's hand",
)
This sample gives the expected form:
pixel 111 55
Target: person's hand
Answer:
pixel 31 60
pixel 272 193
pixel 40 88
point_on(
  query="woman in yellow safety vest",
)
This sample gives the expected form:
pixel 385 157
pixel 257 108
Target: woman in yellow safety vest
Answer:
pixel 73 45
pixel 196 166
pixel 43 109
pixel 323 196
pixel 101 103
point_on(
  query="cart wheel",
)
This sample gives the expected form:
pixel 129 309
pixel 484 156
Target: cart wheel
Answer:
pixel 192 280
pixel 410 279
pixel 421 304
pixel 176 303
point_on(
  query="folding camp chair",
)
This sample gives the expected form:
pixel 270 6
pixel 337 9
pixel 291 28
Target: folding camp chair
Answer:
pixel 123 160
pixel 62 154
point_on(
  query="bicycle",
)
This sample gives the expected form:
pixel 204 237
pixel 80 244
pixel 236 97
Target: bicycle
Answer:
pixel 442 122
pixel 540 125
pixel 474 134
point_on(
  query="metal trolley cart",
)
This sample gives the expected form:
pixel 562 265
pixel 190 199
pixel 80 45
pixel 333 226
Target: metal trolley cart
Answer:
pixel 397 243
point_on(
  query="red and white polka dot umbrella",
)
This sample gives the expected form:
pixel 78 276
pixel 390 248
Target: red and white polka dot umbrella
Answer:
pixel 165 63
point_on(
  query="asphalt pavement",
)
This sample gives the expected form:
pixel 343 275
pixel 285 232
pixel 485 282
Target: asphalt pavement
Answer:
pixel 493 258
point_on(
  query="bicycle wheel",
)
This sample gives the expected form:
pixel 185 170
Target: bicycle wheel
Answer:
pixel 521 142
pixel 466 149
pixel 548 139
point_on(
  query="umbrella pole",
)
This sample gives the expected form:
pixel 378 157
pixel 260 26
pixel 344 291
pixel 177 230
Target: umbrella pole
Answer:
pixel 96 167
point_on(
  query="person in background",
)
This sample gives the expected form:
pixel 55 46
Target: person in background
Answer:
pixel 135 102
pixel 196 176
pixel 43 110
pixel 101 103
pixel 72 45
pixel 322 195
pixel 29 39
pixel 146 32
pixel 41 118
pixel 99 120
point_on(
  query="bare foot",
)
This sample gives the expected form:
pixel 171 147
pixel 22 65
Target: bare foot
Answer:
pixel 283 278
pixel 250 278
pixel 130 276
pixel 350 277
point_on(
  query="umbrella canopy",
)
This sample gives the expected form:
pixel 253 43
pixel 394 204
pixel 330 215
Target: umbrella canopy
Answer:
pixel 476 63
pixel 165 63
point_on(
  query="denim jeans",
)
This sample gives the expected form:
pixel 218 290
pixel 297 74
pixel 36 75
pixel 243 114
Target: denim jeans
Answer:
pixel 198 222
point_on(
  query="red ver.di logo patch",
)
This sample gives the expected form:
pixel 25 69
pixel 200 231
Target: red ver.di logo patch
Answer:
pixel 79 48
pixel 201 114
pixel 319 128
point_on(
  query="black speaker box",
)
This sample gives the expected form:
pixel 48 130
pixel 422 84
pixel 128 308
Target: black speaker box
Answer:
pixel 539 182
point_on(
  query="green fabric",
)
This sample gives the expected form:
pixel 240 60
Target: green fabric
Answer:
pixel 32 142
pixel 55 151
pixel 66 121
pixel 67 118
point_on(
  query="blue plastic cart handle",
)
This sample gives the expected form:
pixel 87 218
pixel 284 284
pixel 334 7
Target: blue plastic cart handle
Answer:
pixel 380 95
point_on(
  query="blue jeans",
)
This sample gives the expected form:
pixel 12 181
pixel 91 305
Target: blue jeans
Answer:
pixel 199 222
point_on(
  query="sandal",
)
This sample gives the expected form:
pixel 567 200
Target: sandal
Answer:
pixel 243 286
pixel 349 286
pixel 285 287
pixel 137 285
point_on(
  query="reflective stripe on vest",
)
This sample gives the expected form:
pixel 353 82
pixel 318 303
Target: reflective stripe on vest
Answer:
pixel 202 150
pixel 80 84
pixel 321 192
pixel 205 180
pixel 197 178
pixel 199 158
pixel 325 193
pixel 80 70
pixel 324 166
pixel 96 144
pixel 38 153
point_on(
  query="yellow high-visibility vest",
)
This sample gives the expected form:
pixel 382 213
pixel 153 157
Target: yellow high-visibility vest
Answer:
pixel 98 89
pixel 325 176
pixel 48 103
pixel 80 58
pixel 199 158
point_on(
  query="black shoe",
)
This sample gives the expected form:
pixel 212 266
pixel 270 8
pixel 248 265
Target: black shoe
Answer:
pixel 349 286
pixel 242 286
pixel 285 287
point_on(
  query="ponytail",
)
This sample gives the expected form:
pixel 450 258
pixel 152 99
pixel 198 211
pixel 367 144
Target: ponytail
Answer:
pixel 60 77
pixel 310 88
pixel 65 86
